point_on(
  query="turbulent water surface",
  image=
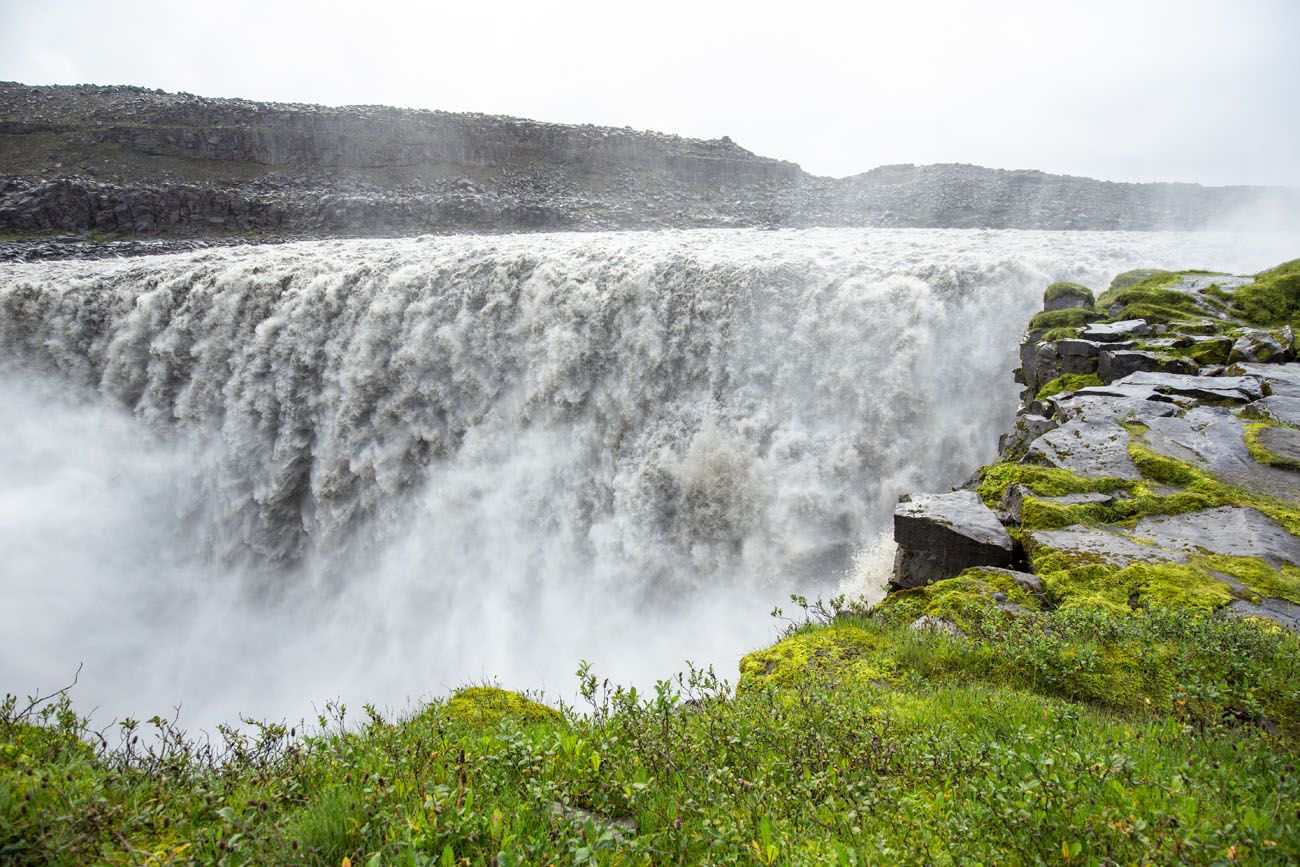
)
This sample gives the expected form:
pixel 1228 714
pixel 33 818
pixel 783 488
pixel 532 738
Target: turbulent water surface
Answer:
pixel 248 480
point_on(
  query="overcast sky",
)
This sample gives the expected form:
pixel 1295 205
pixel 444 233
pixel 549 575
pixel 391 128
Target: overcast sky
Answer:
pixel 1138 90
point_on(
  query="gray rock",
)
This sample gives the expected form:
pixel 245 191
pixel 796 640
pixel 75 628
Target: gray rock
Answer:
pixel 1213 438
pixel 1108 332
pixel 1280 611
pixel 1237 532
pixel 939 535
pixel 1088 447
pixel 1026 428
pixel 1281 441
pixel 1103 545
pixel 1081 348
pixel 1117 364
pixel 1235 388
pixel 1259 346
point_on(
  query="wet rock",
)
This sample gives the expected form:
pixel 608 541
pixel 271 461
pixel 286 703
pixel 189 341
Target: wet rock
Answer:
pixel 1113 365
pixel 1281 441
pixel 1108 332
pixel 940 535
pixel 1213 438
pixel 1024 430
pixel 1087 447
pixel 1105 545
pixel 1231 530
pixel 1210 388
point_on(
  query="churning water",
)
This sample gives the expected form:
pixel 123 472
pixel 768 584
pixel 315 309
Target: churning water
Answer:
pixel 254 479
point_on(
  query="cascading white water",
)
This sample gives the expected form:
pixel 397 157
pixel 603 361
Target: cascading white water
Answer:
pixel 250 479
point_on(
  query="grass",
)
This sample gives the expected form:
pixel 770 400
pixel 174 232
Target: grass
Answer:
pixel 1076 737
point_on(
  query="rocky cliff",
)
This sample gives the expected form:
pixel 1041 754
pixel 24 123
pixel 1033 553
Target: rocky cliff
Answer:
pixel 1154 463
pixel 127 161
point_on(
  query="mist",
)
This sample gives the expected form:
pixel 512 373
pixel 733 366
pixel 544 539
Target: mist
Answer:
pixel 248 481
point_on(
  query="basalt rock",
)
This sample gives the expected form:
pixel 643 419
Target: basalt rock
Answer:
pixel 940 535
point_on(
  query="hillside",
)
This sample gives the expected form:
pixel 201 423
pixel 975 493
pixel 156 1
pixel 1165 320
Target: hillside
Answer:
pixel 131 162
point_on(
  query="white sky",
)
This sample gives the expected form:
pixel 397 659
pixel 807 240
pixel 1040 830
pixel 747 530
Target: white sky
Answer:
pixel 1140 90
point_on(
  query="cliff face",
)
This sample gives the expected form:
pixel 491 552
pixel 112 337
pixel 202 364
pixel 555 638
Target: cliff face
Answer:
pixel 1154 463
pixel 130 161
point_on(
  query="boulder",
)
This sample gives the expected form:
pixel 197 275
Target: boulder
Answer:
pixel 1212 438
pixel 1259 346
pixel 1109 332
pixel 940 535
pixel 1281 441
pixel 1064 296
pixel 1117 364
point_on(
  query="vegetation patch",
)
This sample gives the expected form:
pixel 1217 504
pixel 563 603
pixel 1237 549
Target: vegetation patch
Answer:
pixel 1073 317
pixel 1067 382
pixel 1273 298
pixel 1062 289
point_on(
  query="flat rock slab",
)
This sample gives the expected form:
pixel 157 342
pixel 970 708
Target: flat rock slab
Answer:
pixel 1283 379
pixel 1241 389
pixel 1283 409
pixel 1095 544
pixel 1237 532
pixel 1111 331
pixel 1117 364
pixel 939 535
pixel 1213 438
pixel 1089 447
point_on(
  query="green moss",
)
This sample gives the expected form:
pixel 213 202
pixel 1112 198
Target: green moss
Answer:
pixel 1045 481
pixel 1260 577
pixel 1067 382
pixel 1036 514
pixel 1074 317
pixel 964 600
pixel 488 706
pixel 1261 452
pixel 1169 471
pixel 1076 581
pixel 845 650
pixel 1062 289
pixel 1137 275
pixel 1053 334
pixel 1273 298
pixel 1121 290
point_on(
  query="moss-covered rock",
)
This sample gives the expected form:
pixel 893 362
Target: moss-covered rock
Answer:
pixel 1064 296
pixel 488 705
pixel 1273 298
pixel 1075 317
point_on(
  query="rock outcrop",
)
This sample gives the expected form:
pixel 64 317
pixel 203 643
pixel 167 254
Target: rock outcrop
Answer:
pixel 1174 483
pixel 939 535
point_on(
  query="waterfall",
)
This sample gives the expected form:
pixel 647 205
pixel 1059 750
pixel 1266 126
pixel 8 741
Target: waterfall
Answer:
pixel 251 478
